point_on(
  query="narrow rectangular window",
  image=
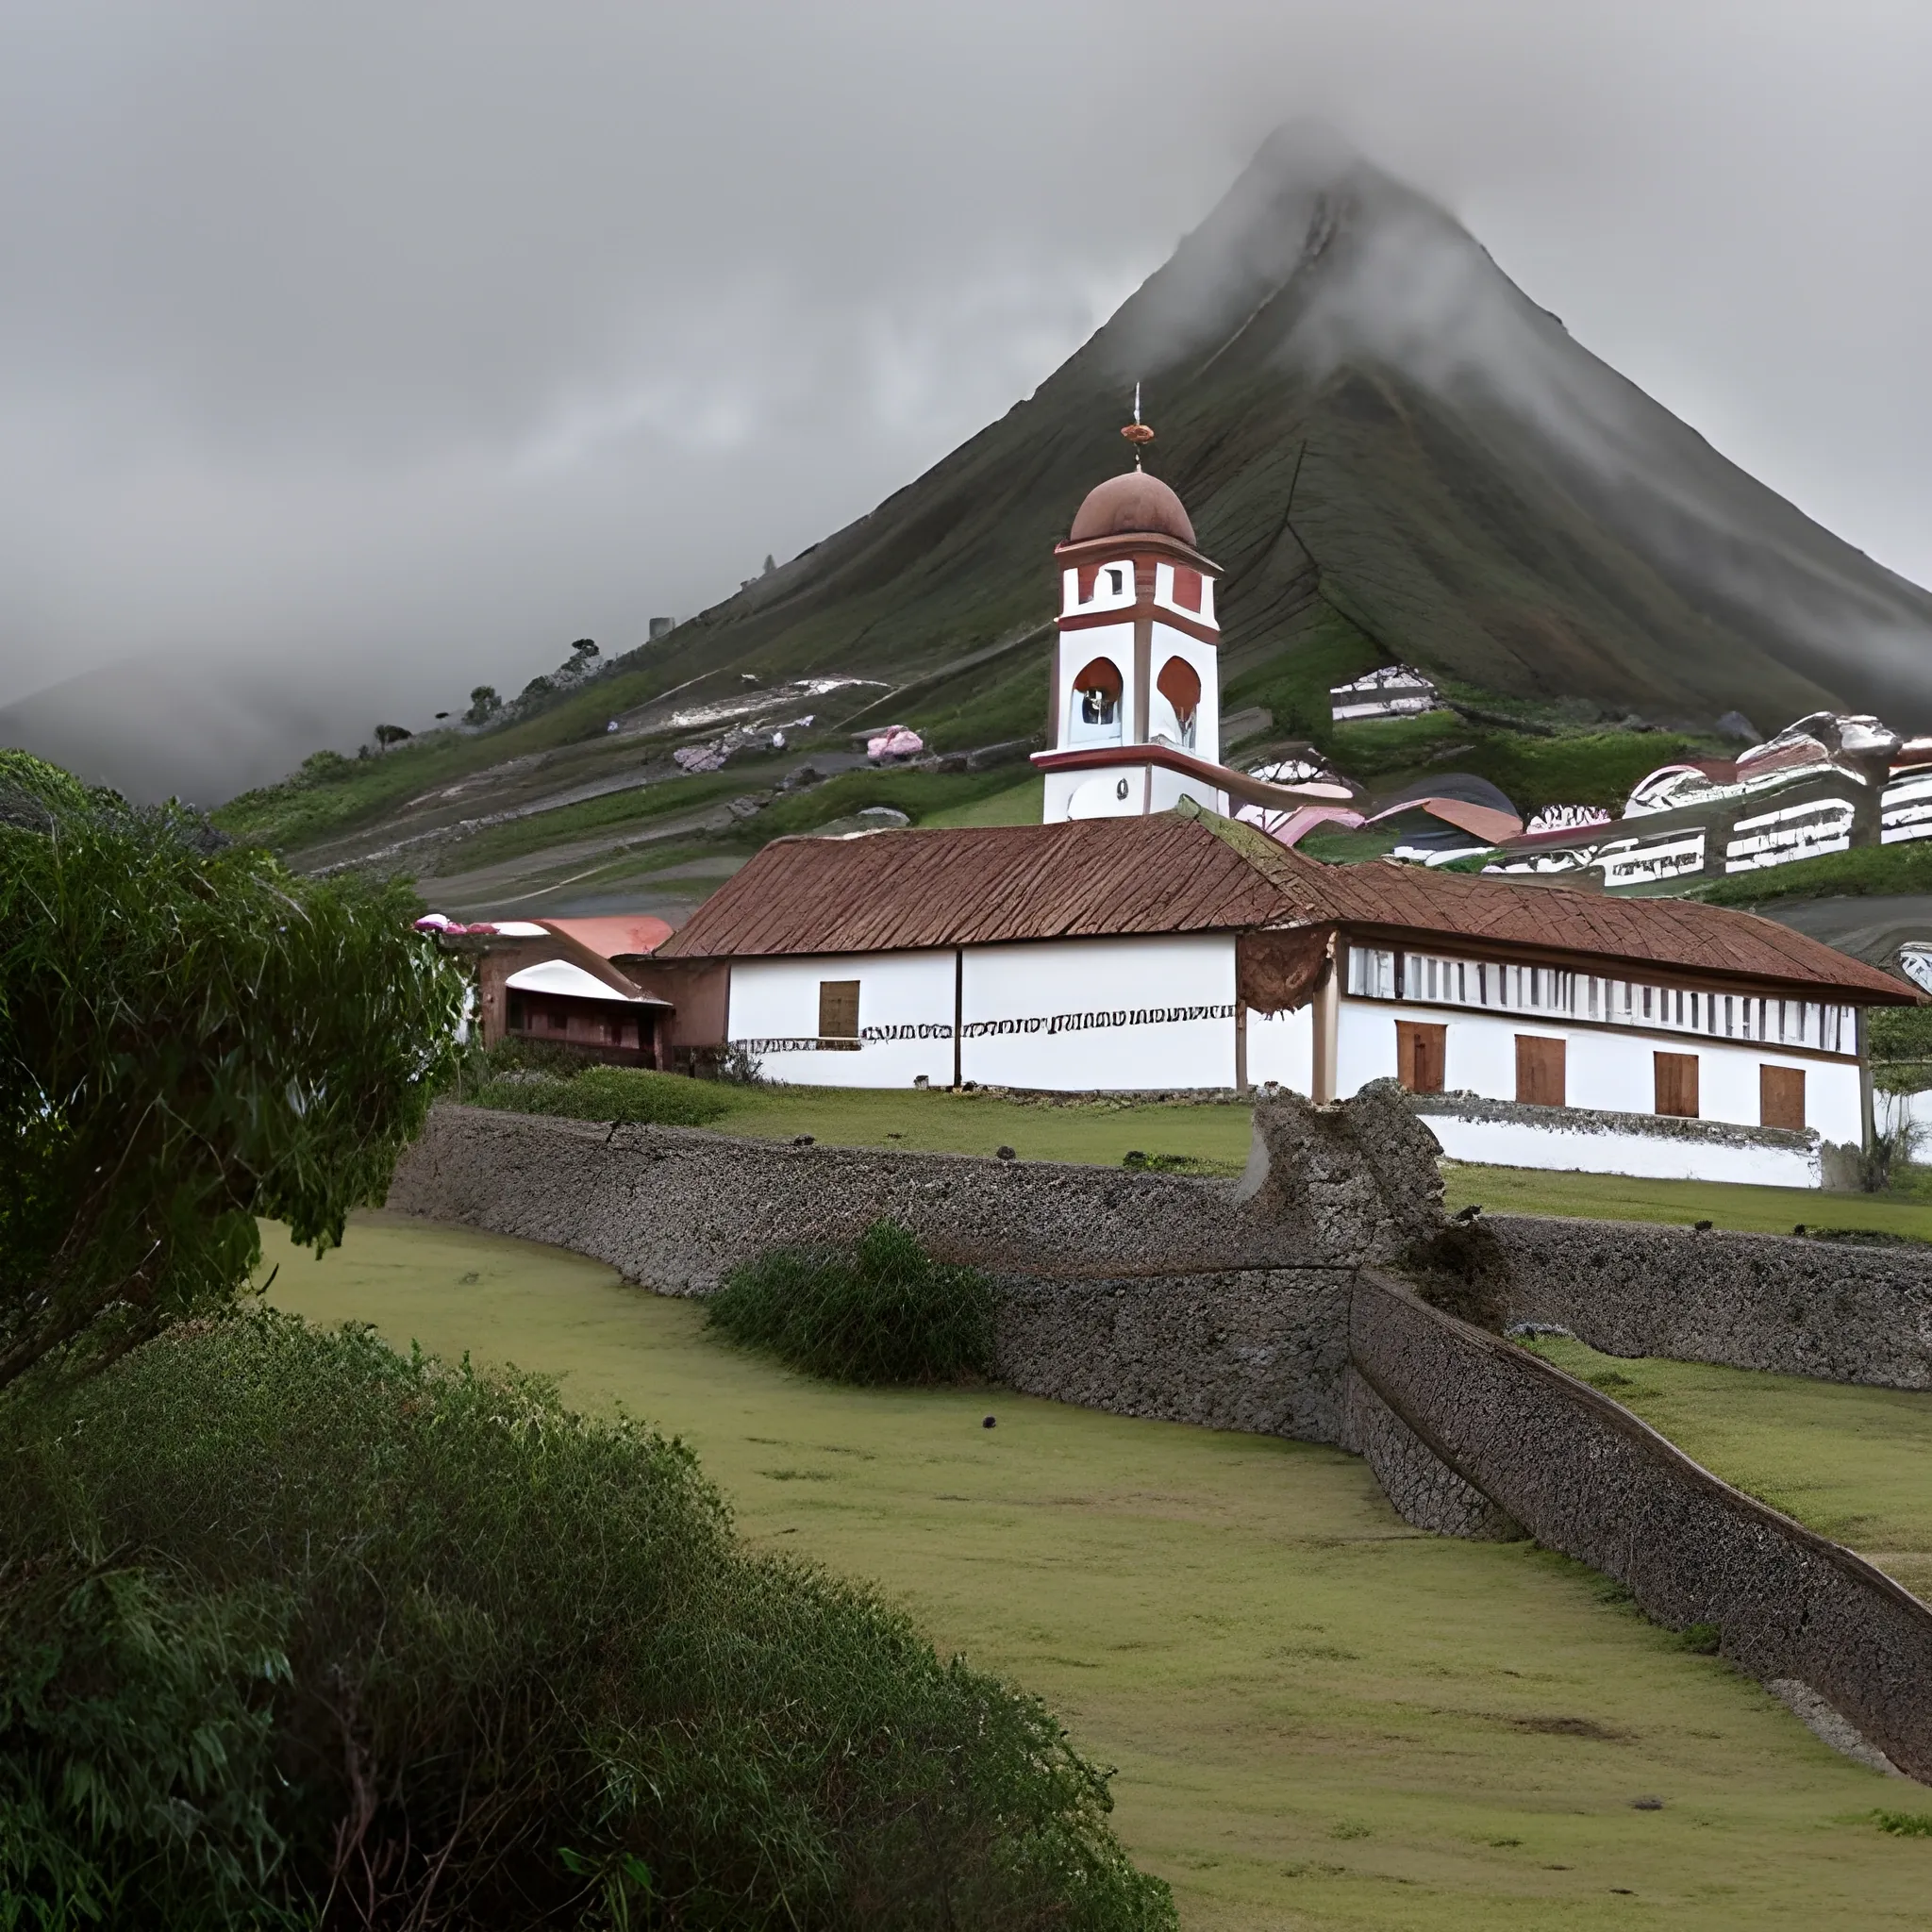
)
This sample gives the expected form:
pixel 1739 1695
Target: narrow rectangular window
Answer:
pixel 1676 1084
pixel 1422 1054
pixel 838 1010
pixel 1539 1070
pixel 1781 1097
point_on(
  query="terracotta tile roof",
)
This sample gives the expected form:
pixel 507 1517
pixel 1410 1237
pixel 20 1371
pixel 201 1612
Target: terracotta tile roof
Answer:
pixel 968 886
pixel 1678 933
pixel 896 891
pixel 623 936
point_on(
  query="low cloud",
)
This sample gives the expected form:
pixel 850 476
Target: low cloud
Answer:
pixel 400 344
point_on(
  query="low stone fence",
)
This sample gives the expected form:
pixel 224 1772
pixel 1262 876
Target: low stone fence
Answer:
pixel 676 1208
pixel 1832 1309
pixel 1585 1477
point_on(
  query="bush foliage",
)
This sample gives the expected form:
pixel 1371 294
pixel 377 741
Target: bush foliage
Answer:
pixel 883 1311
pixel 631 1095
pixel 189 1037
pixel 294 1631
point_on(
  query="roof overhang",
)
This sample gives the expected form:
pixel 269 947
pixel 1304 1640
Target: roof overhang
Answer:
pixel 1098 757
pixel 1132 542
pixel 1617 966
pixel 560 976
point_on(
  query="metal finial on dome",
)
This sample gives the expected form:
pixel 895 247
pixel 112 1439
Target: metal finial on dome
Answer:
pixel 1137 432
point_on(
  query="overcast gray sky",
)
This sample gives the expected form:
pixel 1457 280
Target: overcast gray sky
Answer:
pixel 407 343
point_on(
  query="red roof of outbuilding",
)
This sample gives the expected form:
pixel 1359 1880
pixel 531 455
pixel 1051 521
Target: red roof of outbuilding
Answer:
pixel 900 891
pixel 614 938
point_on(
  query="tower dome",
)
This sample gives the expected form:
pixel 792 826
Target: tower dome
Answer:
pixel 1134 504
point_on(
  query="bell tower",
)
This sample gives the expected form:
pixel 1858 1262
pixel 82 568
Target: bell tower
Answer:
pixel 1135 721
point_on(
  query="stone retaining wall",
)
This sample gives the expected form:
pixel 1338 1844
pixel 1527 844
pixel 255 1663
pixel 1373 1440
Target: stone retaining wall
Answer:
pixel 1585 1477
pixel 1801 1307
pixel 1261 1350
pixel 676 1209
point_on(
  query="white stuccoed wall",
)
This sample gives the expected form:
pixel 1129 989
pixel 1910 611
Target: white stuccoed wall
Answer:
pixel 1281 1047
pixel 778 999
pixel 1012 986
pixel 1520 1143
pixel 1607 1068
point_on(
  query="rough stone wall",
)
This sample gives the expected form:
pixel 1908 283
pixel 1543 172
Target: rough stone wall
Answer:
pixel 677 1208
pixel 1153 1295
pixel 1423 1487
pixel 1262 1350
pixel 1585 1477
pixel 1361 1178
pixel 1778 1302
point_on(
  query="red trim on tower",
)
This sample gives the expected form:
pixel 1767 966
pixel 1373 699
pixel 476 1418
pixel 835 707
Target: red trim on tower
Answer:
pixel 1143 607
pixel 1089 758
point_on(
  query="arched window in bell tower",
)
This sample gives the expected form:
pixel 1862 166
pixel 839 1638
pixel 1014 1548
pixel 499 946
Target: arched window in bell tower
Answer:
pixel 1096 707
pixel 1179 692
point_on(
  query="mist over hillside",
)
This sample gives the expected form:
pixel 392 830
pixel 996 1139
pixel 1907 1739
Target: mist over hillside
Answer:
pixel 1372 426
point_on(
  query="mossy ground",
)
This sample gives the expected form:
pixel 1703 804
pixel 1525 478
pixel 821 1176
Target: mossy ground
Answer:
pixel 1321 1717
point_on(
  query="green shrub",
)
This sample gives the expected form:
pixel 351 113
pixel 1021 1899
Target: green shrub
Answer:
pixel 885 1311
pixel 294 1631
pixel 1904 1824
pixel 626 1094
pixel 1862 871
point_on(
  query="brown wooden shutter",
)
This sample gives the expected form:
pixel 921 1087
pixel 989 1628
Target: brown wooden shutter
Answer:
pixel 1781 1097
pixel 1539 1070
pixel 837 1010
pixel 1421 1053
pixel 1676 1084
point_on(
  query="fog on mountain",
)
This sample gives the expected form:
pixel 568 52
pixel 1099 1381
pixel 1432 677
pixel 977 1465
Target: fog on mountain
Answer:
pixel 1367 419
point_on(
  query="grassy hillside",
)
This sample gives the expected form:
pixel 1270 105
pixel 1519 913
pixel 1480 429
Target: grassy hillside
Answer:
pixel 1320 1717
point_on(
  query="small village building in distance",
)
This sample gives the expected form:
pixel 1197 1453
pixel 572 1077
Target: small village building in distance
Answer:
pixel 1142 939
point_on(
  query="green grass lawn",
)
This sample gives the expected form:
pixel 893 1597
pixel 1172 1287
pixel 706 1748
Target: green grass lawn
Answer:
pixel 1321 1717
pixel 1854 1463
pixel 1615 1197
pixel 1213 1139
pixel 1019 804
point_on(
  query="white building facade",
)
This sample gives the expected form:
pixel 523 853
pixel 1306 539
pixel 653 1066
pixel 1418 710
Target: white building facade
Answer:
pixel 1162 1014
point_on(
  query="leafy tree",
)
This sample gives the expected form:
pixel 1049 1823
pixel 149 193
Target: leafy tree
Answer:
pixel 189 1037
pixel 387 735
pixel 584 649
pixel 484 704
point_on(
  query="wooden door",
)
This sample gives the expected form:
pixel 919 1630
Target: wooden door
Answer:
pixel 1676 1084
pixel 1541 1066
pixel 1781 1097
pixel 1422 1054
pixel 838 1010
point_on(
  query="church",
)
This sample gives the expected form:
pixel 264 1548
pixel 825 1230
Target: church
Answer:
pixel 1157 933
pixel 1143 939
